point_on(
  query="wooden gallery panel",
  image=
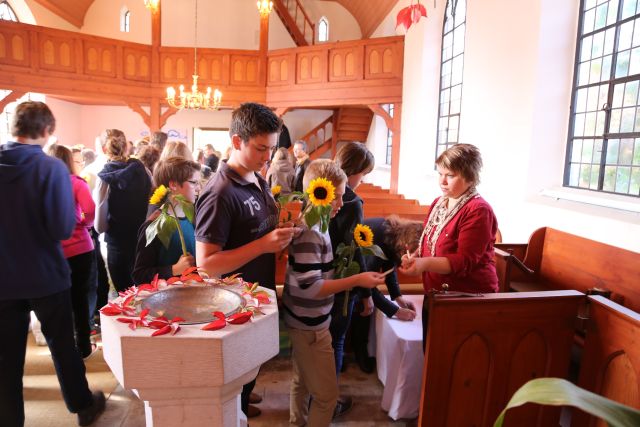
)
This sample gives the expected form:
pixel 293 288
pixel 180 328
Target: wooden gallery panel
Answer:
pixel 383 61
pixel 175 66
pixel 99 59
pixel 137 64
pixel 611 357
pixel 213 68
pixel 346 63
pixel 281 70
pixel 14 46
pixel 57 53
pixel 244 70
pixel 480 350
pixel 311 66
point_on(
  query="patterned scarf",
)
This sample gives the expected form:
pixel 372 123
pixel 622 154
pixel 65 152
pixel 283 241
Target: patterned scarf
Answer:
pixel 439 218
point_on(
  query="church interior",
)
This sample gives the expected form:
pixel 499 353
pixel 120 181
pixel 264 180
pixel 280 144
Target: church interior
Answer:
pixel 548 91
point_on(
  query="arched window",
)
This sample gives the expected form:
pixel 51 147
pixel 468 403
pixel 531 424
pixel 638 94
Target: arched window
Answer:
pixel 6 13
pixel 125 20
pixel 452 62
pixel 323 29
pixel 603 150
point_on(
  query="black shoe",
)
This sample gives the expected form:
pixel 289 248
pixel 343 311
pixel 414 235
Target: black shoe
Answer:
pixel 89 415
pixel 345 403
pixel 365 363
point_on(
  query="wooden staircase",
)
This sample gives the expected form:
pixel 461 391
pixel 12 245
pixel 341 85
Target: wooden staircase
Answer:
pixel 354 123
pixel 296 21
pixel 379 202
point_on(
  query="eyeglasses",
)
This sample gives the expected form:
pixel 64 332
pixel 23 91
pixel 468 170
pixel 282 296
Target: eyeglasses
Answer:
pixel 195 183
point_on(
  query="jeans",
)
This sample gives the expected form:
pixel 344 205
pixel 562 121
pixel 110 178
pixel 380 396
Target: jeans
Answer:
pixel 101 279
pixel 339 325
pixel 121 257
pixel 54 312
pixel 82 267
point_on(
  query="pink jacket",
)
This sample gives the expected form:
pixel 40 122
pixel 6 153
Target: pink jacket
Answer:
pixel 80 241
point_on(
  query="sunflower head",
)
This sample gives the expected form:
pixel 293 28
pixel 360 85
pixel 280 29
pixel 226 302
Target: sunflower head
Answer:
pixel 321 192
pixel 363 235
pixel 158 195
pixel 276 190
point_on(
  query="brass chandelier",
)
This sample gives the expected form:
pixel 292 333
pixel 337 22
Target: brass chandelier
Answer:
pixel 194 100
pixel 265 7
pixel 152 5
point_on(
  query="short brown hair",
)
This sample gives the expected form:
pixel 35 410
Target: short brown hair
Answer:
pixel 176 169
pixel 114 144
pixel 63 153
pixel 401 234
pixel 31 119
pixel 251 119
pixel 464 159
pixel 324 168
pixel 149 156
pixel 159 139
pixel 355 158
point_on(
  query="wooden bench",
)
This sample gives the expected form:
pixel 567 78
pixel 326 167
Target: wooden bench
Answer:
pixel 555 260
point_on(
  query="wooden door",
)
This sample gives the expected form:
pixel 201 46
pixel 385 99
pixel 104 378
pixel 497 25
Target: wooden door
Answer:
pixel 611 359
pixel 480 350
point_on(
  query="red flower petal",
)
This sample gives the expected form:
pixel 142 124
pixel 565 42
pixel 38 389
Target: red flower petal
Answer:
pixel 240 318
pixel 172 280
pixel 215 325
pixel 164 330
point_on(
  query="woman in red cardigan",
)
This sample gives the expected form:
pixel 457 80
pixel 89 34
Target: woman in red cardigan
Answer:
pixel 456 245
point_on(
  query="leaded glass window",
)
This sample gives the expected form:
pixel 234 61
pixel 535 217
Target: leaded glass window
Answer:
pixel 603 151
pixel 6 13
pixel 452 62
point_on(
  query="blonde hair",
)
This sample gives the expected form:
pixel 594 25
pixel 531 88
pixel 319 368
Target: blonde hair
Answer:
pixel 324 168
pixel 176 149
pixel 114 145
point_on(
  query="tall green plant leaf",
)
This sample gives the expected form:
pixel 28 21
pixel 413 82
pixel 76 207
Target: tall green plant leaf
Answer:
pixel 152 230
pixel 373 250
pixel 559 392
pixel 187 207
pixel 167 226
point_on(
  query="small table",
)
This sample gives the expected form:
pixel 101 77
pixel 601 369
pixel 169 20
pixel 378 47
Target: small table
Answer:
pixel 400 359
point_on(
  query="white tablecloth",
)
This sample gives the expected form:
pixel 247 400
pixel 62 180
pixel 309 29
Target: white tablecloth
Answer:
pixel 400 359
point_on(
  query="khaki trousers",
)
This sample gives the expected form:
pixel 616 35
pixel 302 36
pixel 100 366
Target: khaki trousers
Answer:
pixel 314 374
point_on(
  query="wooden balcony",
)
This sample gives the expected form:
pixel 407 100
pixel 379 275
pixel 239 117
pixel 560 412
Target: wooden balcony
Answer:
pixel 108 71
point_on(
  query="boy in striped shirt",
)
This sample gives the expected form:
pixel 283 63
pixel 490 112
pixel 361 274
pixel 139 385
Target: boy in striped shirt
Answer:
pixel 308 297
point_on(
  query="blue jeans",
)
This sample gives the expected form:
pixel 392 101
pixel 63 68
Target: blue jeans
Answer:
pixel 55 315
pixel 339 325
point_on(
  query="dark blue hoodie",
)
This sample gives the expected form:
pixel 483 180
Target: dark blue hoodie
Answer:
pixel 129 188
pixel 37 212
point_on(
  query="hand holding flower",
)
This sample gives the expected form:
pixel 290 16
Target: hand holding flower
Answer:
pixel 184 262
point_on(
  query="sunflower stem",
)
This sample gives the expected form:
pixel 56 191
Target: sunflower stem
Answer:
pixel 182 243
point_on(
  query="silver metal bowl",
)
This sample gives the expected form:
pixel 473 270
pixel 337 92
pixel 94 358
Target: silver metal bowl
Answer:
pixel 195 304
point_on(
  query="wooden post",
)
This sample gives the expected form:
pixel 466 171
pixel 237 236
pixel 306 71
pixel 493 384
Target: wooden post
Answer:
pixel 334 134
pixel 9 98
pixel 155 111
pixel 395 147
pixel 264 48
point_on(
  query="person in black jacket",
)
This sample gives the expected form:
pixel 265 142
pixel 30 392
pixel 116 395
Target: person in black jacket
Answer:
pixel 302 161
pixel 121 195
pixel 394 236
pixel 356 161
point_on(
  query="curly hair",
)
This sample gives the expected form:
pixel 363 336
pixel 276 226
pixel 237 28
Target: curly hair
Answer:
pixel 401 235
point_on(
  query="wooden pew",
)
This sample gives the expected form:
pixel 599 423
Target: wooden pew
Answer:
pixel 557 260
pixel 480 350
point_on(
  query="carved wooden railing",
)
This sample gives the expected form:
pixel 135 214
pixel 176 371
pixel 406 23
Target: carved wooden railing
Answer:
pixel 319 138
pixel 82 66
pixel 297 21
pixel 343 73
pixel 58 62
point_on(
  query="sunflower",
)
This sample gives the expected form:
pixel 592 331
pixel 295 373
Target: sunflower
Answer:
pixel 363 235
pixel 158 195
pixel 321 192
pixel 275 190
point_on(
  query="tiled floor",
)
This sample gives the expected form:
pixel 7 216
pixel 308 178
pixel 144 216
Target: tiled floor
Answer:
pixel 44 406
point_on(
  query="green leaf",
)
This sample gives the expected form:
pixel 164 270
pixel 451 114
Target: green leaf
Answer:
pixel 187 207
pixel 152 230
pixel 168 225
pixel 559 392
pixel 373 250
pixel 312 217
pixel 352 268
